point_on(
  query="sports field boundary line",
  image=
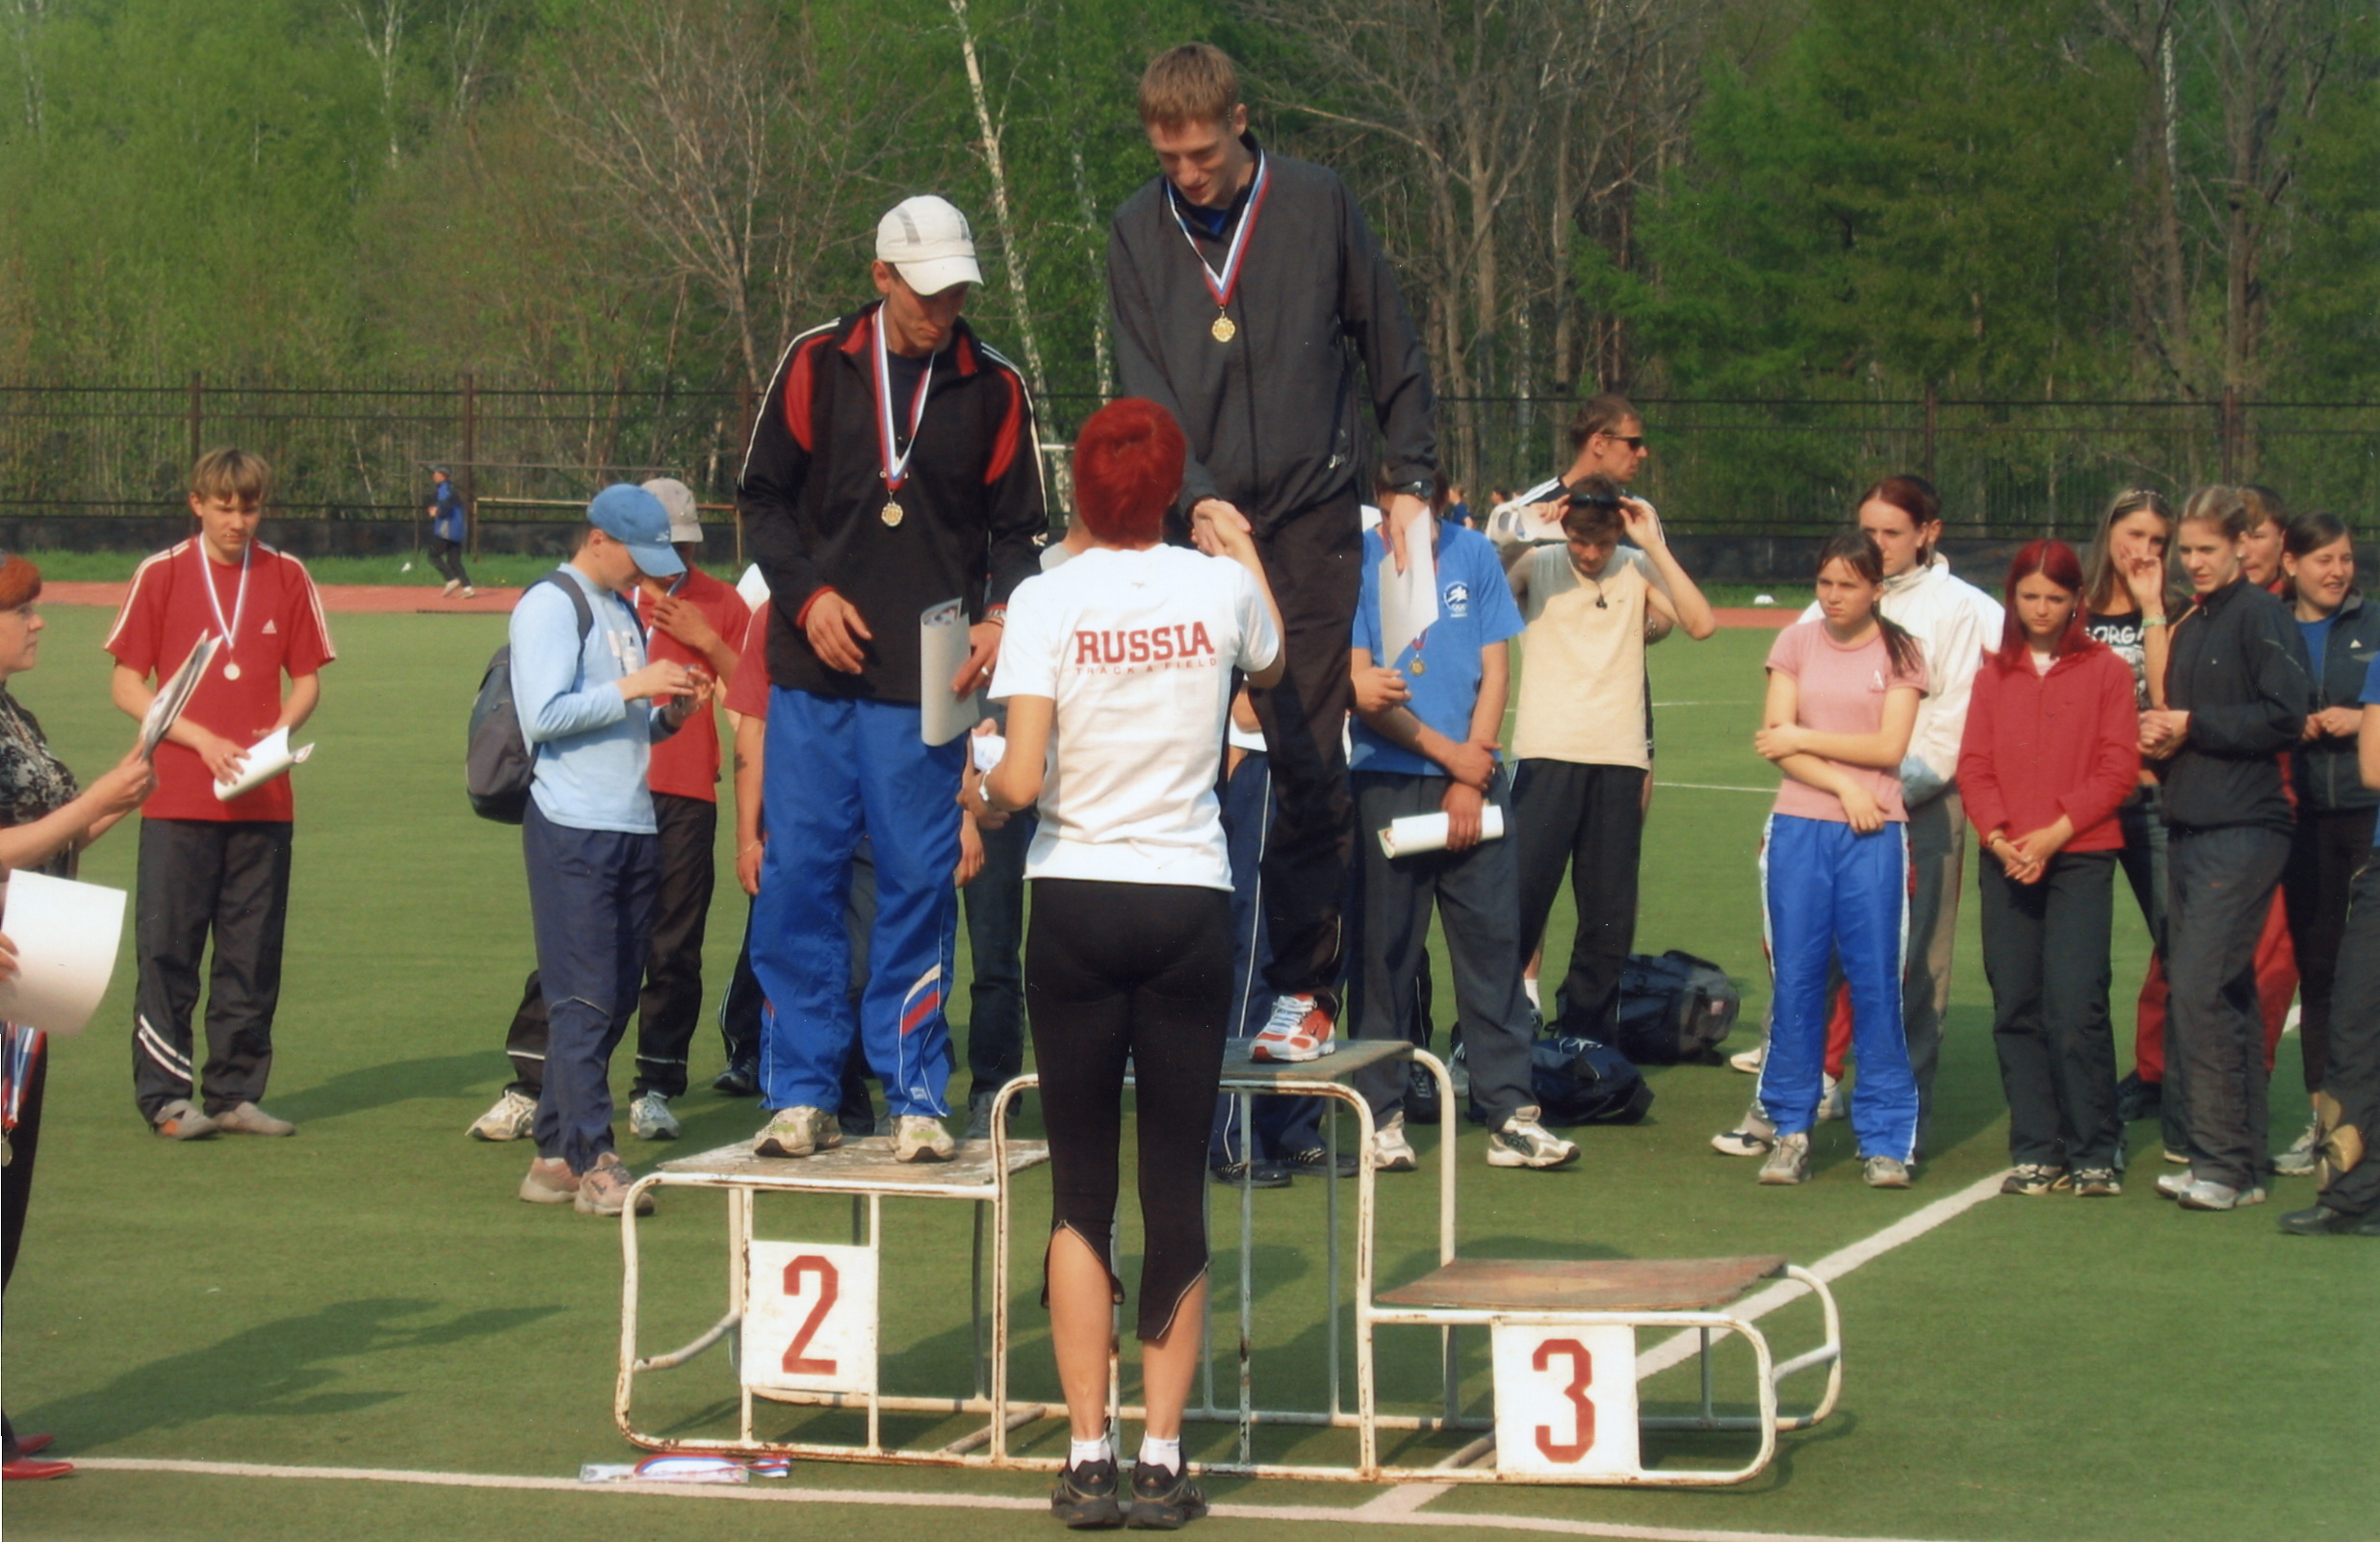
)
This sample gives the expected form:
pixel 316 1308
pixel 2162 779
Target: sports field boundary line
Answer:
pixel 780 1494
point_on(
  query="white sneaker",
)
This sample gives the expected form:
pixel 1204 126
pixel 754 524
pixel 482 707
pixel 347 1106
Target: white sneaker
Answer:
pixel 470 593
pixel 2298 1160
pixel 451 584
pixel 921 1138
pixel 513 1118
pixel 1748 1061
pixel 1753 1135
pixel 797 1132
pixel 1391 1152
pixel 649 1118
pixel 1789 1163
pixel 1299 1030
pixel 2173 1185
pixel 1524 1142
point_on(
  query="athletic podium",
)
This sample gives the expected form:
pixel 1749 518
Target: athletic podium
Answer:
pixel 800 1320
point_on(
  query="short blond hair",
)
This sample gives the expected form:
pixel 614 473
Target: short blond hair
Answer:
pixel 232 474
pixel 1195 83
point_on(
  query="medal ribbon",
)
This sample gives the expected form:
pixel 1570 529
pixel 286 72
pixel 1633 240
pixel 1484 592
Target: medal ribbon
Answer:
pixel 239 604
pixel 896 467
pixel 1223 285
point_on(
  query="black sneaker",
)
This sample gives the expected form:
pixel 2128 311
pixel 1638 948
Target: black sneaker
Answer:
pixel 2137 1099
pixel 1164 1499
pixel 1421 1094
pixel 2319 1221
pixel 737 1081
pixel 1316 1160
pixel 1249 1174
pixel 1085 1498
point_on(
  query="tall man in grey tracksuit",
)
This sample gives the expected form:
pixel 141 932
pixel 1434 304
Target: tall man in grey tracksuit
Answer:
pixel 1238 279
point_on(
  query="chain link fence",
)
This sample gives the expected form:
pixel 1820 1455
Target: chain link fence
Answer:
pixel 536 453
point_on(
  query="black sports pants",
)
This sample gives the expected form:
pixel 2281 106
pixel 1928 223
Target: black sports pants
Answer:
pixel 2045 951
pixel 2349 1102
pixel 669 1008
pixel 2221 883
pixel 447 556
pixel 228 878
pixel 1139 972
pixel 2323 857
pixel 1313 560
pixel 1589 818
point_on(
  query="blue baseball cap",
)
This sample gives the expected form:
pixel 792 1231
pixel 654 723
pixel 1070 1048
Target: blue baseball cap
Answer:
pixel 636 519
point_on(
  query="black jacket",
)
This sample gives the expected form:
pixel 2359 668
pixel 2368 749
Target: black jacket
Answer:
pixel 1271 414
pixel 2238 667
pixel 813 496
pixel 2329 781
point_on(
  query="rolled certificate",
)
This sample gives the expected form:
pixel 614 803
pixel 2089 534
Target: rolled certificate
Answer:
pixel 267 757
pixel 987 749
pixel 1415 834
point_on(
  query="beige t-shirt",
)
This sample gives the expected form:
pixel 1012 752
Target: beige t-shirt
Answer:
pixel 1582 679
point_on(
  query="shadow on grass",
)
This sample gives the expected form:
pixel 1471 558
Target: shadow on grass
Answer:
pixel 277 1370
pixel 371 1086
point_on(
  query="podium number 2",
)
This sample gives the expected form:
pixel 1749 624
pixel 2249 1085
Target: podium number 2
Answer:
pixel 798 1364
pixel 1581 1377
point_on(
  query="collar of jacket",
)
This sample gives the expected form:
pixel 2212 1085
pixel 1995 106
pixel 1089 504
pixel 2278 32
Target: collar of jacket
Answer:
pixel 2217 598
pixel 1936 566
pixel 856 340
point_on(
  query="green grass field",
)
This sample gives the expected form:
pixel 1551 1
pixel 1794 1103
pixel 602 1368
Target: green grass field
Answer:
pixel 370 1295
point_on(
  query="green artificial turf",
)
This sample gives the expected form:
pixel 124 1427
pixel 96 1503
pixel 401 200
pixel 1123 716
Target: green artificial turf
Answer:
pixel 370 1294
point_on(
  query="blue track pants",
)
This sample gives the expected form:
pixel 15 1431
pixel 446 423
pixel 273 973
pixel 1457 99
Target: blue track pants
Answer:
pixel 835 767
pixel 1830 893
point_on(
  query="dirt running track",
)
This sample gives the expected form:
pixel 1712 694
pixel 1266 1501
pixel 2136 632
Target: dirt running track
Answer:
pixel 395 599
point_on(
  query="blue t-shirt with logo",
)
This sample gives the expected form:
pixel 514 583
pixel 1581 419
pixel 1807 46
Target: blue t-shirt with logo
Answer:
pixel 1475 610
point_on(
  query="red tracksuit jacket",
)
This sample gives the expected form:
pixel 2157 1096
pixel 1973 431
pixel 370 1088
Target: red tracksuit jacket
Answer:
pixel 2038 746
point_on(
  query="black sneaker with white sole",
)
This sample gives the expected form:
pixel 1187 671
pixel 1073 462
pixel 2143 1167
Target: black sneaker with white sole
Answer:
pixel 1164 1499
pixel 1085 1497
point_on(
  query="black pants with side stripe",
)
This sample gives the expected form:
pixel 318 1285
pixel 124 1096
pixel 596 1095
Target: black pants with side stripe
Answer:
pixel 202 877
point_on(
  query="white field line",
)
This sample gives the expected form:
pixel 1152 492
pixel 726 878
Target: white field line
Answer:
pixel 1683 1345
pixel 787 1492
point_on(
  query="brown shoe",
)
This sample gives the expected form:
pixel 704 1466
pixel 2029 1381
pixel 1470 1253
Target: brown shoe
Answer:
pixel 549 1182
pixel 181 1121
pixel 603 1189
pixel 249 1120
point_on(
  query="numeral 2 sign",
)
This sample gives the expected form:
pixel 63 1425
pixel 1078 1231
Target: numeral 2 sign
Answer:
pixel 1565 1400
pixel 810 1317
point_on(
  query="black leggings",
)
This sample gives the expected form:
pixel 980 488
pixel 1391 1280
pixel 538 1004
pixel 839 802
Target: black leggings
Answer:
pixel 1144 971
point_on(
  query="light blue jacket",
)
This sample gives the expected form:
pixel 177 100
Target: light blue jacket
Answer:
pixel 592 746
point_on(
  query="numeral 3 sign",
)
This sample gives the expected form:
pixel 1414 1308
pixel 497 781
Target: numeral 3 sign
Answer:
pixel 1565 1400
pixel 810 1317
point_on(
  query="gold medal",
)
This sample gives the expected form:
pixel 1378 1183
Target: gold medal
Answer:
pixel 1225 328
pixel 892 514
pixel 1418 667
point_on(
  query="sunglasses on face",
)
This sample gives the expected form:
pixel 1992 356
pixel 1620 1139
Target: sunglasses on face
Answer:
pixel 1632 440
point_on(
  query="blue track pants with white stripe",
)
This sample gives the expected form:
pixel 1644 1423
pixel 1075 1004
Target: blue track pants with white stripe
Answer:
pixel 835 767
pixel 1831 893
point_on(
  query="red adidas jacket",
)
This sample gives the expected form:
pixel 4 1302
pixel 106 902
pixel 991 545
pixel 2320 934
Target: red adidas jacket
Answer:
pixel 2038 746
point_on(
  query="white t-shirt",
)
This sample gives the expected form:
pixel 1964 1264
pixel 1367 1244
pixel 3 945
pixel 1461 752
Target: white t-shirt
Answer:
pixel 1136 649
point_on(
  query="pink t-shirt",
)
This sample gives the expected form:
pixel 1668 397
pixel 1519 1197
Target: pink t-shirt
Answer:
pixel 1842 692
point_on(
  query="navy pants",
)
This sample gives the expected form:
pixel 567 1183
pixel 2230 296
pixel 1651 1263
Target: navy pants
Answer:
pixel 835 767
pixel 1831 893
pixel 590 896
pixel 995 906
pixel 1283 1125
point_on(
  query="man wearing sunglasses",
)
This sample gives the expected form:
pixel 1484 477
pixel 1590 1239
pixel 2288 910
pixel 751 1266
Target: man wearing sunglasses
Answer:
pixel 1607 437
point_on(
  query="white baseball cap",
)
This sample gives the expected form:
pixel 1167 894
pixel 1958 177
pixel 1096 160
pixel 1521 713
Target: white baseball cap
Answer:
pixel 927 239
pixel 684 524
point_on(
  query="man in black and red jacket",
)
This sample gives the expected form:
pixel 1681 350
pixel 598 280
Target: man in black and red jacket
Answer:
pixel 1239 281
pixel 893 468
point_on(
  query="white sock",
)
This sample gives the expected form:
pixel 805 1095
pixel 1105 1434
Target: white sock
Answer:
pixel 1531 986
pixel 1165 1454
pixel 1080 1452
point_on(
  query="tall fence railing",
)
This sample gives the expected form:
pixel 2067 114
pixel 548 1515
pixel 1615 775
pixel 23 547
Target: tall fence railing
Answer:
pixel 536 451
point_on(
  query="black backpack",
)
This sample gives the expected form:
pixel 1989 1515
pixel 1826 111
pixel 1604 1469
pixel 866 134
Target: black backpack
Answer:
pixel 1578 1080
pixel 1674 1007
pixel 497 763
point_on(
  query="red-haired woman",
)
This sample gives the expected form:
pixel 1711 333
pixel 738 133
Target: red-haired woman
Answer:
pixel 1117 669
pixel 2051 751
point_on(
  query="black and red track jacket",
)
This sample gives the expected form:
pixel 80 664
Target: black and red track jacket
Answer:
pixel 813 498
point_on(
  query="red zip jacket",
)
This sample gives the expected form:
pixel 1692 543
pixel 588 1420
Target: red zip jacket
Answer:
pixel 2038 746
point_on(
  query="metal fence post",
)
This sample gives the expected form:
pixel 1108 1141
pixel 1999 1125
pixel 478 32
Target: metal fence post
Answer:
pixel 471 455
pixel 198 413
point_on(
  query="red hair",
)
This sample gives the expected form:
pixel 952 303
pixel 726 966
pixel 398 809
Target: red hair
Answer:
pixel 1128 468
pixel 2055 561
pixel 20 581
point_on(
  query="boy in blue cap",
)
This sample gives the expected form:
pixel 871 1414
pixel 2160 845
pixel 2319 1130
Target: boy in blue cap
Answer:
pixel 590 707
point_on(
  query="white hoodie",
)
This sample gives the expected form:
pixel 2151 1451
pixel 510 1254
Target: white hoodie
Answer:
pixel 1956 624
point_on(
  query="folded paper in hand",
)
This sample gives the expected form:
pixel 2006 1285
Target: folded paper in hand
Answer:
pixel 267 757
pixel 942 649
pixel 165 706
pixel 1415 834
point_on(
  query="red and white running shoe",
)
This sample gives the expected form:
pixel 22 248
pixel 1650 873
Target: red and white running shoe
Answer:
pixel 1299 1030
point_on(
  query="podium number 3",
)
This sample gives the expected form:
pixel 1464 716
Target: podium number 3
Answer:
pixel 1581 1377
pixel 798 1364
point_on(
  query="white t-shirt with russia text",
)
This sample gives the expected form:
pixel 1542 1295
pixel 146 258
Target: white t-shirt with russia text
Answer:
pixel 1137 650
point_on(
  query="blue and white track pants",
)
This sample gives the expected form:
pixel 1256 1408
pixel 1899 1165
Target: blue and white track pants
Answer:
pixel 1830 893
pixel 835 767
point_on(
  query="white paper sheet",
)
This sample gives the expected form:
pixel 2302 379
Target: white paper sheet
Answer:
pixel 1408 601
pixel 175 693
pixel 67 937
pixel 1415 834
pixel 942 645
pixel 267 757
